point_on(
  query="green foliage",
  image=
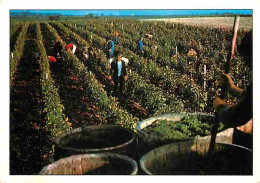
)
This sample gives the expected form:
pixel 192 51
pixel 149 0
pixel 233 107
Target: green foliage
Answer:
pixel 55 119
pixel 14 26
pixel 183 129
pixel 18 50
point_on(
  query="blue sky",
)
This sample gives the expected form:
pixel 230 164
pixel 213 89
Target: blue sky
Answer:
pixel 143 12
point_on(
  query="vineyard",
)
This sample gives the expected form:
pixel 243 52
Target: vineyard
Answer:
pixel 177 73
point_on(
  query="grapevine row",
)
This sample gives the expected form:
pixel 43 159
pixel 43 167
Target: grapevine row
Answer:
pixel 78 107
pixel 55 119
pixel 18 50
pixel 30 150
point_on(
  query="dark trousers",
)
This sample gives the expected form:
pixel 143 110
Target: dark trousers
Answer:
pixel 110 55
pixel 140 53
pixel 119 82
pixel 243 139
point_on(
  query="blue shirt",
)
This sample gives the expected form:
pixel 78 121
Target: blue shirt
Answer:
pixel 119 67
pixel 112 46
pixel 140 45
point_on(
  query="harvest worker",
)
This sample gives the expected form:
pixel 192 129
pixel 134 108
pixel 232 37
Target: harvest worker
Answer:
pixel 33 62
pixel 149 36
pixel 91 52
pixel 90 56
pixel 140 46
pixel 52 59
pixel 119 74
pixel 85 52
pixel 111 46
pixel 53 62
pixel 117 38
pixel 71 47
pixel 241 113
pixel 36 56
pixel 88 53
pixel 57 49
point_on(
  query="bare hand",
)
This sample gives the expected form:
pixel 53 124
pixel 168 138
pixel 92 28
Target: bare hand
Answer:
pixel 109 77
pixel 125 78
pixel 225 80
pixel 218 101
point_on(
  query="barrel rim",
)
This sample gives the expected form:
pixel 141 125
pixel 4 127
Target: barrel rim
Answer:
pixel 57 140
pixel 106 154
pixel 142 159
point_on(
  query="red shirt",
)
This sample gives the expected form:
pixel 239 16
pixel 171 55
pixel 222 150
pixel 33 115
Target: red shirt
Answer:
pixel 69 46
pixel 52 59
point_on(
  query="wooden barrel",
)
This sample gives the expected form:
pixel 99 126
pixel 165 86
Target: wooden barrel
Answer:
pixel 92 164
pixel 96 139
pixel 190 158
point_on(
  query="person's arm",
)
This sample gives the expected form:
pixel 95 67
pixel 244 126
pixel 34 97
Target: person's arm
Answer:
pixel 236 91
pixel 238 114
pixel 233 90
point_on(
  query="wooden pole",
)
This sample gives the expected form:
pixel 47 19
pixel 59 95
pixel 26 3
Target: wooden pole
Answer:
pixel 233 44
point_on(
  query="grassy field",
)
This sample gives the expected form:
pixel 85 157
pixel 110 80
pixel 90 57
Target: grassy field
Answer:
pixel 246 23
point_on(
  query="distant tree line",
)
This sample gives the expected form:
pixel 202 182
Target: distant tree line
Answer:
pixel 54 17
pixel 91 15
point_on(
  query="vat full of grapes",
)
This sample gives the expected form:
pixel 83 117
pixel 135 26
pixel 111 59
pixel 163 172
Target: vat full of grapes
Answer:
pixel 177 127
